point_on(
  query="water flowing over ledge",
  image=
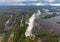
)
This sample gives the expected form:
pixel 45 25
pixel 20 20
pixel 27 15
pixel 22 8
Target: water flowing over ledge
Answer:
pixel 31 24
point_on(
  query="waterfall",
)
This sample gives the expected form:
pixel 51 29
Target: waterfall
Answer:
pixel 31 24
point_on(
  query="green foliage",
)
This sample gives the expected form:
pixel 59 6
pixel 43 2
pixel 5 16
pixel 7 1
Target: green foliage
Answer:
pixel 19 32
pixel 48 16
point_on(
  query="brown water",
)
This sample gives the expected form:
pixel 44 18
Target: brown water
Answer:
pixel 49 24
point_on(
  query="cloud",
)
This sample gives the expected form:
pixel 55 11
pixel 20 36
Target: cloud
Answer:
pixel 39 4
pixel 2 0
pixel 23 4
pixel 22 0
pixel 18 0
pixel 55 4
pixel 49 0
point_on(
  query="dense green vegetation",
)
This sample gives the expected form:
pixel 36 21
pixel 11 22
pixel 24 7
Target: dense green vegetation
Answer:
pixel 49 16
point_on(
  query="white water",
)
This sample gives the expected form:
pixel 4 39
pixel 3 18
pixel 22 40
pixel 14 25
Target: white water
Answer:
pixel 31 23
pixel 30 27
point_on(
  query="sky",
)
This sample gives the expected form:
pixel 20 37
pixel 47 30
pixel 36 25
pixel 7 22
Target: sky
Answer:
pixel 28 2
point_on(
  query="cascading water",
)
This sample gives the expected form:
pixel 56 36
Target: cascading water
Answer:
pixel 31 23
